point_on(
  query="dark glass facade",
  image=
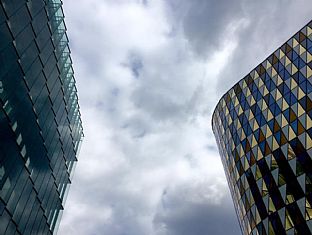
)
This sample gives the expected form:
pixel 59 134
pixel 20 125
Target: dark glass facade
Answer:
pixel 263 128
pixel 40 126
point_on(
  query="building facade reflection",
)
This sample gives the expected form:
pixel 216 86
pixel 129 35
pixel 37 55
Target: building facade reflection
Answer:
pixel 40 125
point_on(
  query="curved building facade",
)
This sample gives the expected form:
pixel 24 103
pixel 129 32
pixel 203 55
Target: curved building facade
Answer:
pixel 263 128
pixel 40 126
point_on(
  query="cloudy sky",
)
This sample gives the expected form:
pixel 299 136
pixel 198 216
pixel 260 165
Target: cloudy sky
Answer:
pixel 149 73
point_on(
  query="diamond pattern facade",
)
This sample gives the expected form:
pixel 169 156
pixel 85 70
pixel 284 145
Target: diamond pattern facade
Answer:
pixel 263 128
pixel 40 126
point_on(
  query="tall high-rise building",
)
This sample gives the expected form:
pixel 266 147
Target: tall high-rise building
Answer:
pixel 263 128
pixel 40 126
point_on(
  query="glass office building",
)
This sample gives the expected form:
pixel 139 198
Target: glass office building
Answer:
pixel 40 126
pixel 263 128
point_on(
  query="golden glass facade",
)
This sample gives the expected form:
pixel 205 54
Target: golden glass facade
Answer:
pixel 263 128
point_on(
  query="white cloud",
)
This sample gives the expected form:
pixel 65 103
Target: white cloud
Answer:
pixel 147 86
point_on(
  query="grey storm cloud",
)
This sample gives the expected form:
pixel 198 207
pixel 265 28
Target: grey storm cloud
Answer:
pixel 149 74
pixel 193 210
pixel 164 108
pixel 269 25
pixel 259 28
pixel 205 23
pixel 198 219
